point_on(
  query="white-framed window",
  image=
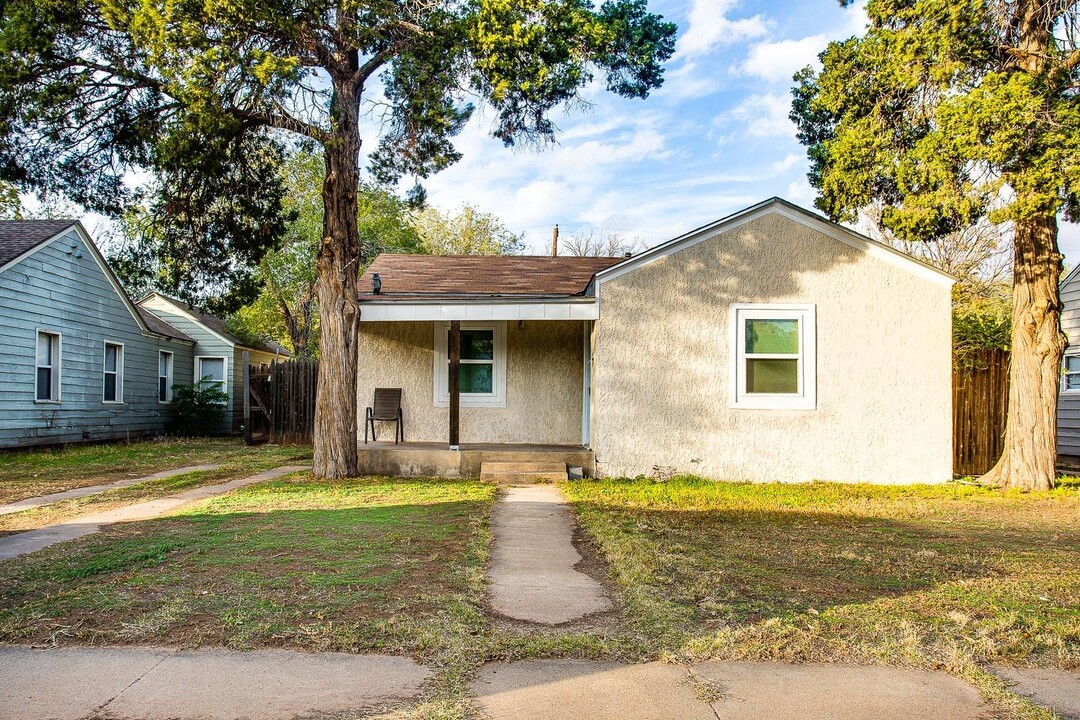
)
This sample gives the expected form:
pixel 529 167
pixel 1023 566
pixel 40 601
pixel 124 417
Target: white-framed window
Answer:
pixel 47 365
pixel 773 357
pixel 165 376
pixel 482 379
pixel 1070 374
pixel 212 370
pixel 112 376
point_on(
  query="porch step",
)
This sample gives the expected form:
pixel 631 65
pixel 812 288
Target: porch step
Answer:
pixel 518 473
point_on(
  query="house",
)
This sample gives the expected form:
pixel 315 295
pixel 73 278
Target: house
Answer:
pixel 81 361
pixel 770 345
pixel 218 354
pixel 1068 411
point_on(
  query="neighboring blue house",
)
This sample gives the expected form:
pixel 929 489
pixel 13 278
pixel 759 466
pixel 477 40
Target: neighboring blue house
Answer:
pixel 81 362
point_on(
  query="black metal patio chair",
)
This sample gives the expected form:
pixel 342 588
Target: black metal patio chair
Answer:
pixel 386 408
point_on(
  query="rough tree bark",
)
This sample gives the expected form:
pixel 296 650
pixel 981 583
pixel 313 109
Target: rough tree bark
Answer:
pixel 1027 462
pixel 1030 454
pixel 338 263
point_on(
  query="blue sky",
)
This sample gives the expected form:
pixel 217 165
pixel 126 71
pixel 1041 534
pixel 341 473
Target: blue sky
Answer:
pixel 714 139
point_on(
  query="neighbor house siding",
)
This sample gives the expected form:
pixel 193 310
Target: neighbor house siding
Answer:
pixel 56 291
pixel 661 364
pixel 207 344
pixel 1068 413
pixel 544 362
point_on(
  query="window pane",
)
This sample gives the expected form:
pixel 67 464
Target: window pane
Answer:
pixel 772 337
pixel 214 367
pixel 163 389
pixel 477 345
pixel 1072 363
pixel 163 364
pixel 44 383
pixel 110 357
pixel 44 349
pixel 476 379
pixel 772 376
pixel 110 387
pixel 1072 382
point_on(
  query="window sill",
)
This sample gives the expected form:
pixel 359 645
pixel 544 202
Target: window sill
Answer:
pixel 113 402
pixel 774 403
pixel 47 402
pixel 492 402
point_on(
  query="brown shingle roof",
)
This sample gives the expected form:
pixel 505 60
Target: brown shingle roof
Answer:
pixel 20 236
pixel 465 276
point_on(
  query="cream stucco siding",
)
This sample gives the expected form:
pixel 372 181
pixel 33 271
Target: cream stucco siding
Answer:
pixel 544 362
pixel 661 364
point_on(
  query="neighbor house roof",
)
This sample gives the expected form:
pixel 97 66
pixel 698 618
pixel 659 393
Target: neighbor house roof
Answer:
pixel 217 325
pixel 419 277
pixel 18 237
pixel 160 327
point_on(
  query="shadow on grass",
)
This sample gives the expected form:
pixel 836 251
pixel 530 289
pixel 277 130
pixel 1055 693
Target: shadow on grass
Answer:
pixel 313 578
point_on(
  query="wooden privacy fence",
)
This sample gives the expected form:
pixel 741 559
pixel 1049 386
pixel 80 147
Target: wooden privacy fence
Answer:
pixel 279 401
pixel 980 401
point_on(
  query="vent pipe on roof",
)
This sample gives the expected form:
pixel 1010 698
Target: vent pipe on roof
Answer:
pixel 376 283
pixel 555 241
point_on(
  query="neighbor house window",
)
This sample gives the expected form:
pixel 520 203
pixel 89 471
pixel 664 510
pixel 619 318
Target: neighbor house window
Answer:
pixel 211 370
pixel 48 367
pixel 165 378
pixel 482 379
pixel 773 358
pixel 113 375
pixel 1070 378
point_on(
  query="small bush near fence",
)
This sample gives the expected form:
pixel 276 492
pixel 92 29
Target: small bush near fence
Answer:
pixel 197 407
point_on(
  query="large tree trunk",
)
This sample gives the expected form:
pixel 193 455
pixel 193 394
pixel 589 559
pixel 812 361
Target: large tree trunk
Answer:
pixel 1030 454
pixel 338 264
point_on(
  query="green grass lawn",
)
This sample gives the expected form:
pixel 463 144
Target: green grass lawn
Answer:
pixel 364 565
pixel 951 576
pixel 29 473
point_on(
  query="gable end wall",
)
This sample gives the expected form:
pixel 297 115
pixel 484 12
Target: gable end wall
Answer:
pixel 661 364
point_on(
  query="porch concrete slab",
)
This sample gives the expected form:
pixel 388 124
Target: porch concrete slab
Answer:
pixel 1056 689
pixel 532 575
pixel 160 684
pixel 33 540
pixel 34 502
pixel 780 691
pixel 575 689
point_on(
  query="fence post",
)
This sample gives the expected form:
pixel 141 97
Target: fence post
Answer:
pixel 246 359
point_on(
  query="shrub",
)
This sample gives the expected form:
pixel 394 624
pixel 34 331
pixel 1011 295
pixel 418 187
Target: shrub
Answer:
pixel 198 408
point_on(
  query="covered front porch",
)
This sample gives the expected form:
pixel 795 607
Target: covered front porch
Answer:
pixel 433 459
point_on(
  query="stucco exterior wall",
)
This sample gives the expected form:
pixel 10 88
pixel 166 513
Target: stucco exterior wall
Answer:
pixel 543 383
pixel 661 364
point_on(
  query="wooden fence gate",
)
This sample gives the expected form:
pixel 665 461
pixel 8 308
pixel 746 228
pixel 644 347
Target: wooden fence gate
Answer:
pixel 980 401
pixel 279 401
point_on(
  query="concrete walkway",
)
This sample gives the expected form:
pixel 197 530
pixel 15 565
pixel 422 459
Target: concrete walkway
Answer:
pixel 33 540
pixel 163 684
pixel 573 689
pixel 1058 690
pixel 532 575
pixel 31 503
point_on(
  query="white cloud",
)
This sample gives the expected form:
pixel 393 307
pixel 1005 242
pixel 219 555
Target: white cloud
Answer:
pixel 763 116
pixel 791 160
pixel 778 61
pixel 709 26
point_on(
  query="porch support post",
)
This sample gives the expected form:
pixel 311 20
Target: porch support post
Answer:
pixel 454 348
